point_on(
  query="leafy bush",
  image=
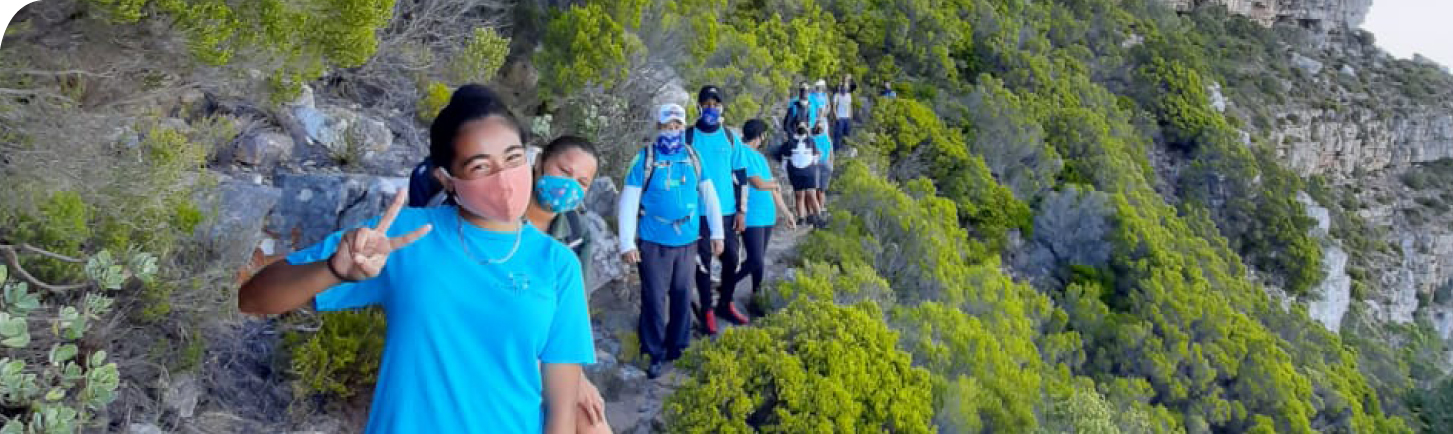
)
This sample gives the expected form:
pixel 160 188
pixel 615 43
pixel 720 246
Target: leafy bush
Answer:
pixel 811 366
pixel 919 144
pixel 478 61
pixel 298 39
pixel 342 357
pixel 584 46
pixel 436 96
pixel 56 382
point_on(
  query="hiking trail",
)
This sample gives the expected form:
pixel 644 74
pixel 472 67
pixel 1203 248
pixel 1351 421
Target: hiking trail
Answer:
pixel 633 402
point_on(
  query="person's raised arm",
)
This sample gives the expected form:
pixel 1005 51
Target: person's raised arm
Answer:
pixel 360 255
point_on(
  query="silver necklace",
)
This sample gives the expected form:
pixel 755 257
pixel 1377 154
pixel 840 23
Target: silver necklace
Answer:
pixel 519 232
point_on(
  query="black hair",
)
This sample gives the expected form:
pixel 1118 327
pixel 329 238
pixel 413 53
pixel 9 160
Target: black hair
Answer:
pixel 753 129
pixel 469 103
pixel 566 143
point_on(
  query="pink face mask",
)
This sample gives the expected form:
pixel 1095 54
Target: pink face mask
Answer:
pixel 501 196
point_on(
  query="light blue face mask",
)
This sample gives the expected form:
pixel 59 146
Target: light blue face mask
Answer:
pixel 558 193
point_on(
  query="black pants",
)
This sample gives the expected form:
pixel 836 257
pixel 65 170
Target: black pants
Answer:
pixel 665 274
pixel 755 241
pixel 729 262
pixel 841 127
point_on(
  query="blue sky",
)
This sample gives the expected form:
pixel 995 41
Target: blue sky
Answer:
pixel 1404 27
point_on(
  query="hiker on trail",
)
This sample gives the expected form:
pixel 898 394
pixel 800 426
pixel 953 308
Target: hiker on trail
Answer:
pixel 764 205
pixel 823 141
pixel 799 159
pixel 799 111
pixel 888 90
pixel 485 316
pixel 564 170
pixel 667 194
pixel 842 107
pixel 819 99
pixel 723 162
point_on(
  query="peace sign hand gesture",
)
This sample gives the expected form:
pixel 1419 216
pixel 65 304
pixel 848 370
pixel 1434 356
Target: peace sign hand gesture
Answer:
pixel 362 252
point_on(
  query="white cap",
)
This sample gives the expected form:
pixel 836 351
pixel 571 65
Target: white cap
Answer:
pixel 821 83
pixel 671 112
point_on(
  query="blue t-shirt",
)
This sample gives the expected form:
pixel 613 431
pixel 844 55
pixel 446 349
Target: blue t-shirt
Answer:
pixel 761 209
pixel 824 147
pixel 672 203
pixel 818 101
pixel 718 160
pixel 465 339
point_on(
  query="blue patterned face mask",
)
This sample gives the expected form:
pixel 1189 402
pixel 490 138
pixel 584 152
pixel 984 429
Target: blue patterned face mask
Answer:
pixel 668 142
pixel 558 193
pixel 711 115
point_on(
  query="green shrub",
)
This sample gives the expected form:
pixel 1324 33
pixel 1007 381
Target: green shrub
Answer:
pixel 342 357
pixel 813 366
pixel 435 97
pixel 478 61
pixel 584 46
pixel 56 382
pixel 296 40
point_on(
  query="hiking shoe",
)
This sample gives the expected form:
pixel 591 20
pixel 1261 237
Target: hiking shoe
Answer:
pixel 728 311
pixel 708 321
pixel 654 370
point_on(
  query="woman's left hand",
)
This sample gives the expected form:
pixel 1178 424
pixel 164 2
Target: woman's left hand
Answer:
pixel 590 402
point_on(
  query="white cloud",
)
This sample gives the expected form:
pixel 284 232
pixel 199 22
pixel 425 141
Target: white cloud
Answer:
pixel 1404 27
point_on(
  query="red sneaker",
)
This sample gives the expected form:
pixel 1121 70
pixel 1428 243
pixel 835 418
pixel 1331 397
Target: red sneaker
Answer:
pixel 709 321
pixel 729 312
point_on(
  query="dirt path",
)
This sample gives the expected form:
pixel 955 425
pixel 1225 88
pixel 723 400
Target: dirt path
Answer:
pixel 633 402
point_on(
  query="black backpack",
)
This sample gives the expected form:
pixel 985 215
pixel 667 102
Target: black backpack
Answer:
pixel 423 187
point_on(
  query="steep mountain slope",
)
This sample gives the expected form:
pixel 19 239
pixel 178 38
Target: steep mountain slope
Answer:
pixel 1077 216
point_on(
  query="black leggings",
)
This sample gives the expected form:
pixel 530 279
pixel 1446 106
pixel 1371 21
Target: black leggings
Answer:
pixel 755 240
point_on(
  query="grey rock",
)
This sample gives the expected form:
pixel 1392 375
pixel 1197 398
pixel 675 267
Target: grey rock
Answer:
pixel 1317 14
pixel 602 196
pixel 238 209
pixel 1218 101
pixel 317 205
pixel 143 428
pixel 604 264
pixel 346 134
pixel 1307 64
pixel 263 149
pixel 1347 70
pixel 304 99
pixel 312 122
pixel 181 395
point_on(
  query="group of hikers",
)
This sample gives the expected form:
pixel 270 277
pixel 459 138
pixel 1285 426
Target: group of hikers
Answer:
pixel 480 274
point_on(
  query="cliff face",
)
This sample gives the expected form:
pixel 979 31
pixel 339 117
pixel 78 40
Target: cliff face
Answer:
pixel 1344 143
pixel 1308 13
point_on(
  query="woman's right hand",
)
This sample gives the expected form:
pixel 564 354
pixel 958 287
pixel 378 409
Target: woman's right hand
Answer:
pixel 363 252
pixel 631 257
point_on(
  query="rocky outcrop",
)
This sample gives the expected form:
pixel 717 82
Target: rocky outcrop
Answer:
pixel 1334 294
pixel 1308 13
pixel 1343 143
pixel 317 205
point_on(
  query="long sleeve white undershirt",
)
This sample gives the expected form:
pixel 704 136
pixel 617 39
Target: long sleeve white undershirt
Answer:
pixel 713 209
pixel 628 208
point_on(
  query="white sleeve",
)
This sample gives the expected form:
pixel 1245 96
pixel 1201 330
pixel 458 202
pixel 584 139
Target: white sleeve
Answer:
pixel 627 210
pixel 713 209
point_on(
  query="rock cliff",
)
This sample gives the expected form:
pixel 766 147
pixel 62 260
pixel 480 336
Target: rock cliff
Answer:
pixel 1308 13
